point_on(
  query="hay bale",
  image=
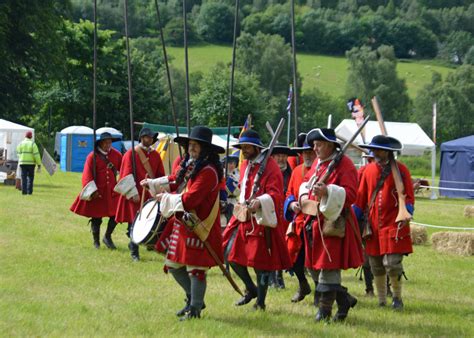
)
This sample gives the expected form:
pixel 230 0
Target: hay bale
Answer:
pixel 457 243
pixel 469 211
pixel 419 235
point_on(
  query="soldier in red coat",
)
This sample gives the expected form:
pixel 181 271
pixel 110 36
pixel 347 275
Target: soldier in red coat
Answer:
pixel 295 233
pixel 328 254
pixel 390 240
pixel 297 160
pixel 147 163
pixel 193 190
pixel 98 198
pixel 253 238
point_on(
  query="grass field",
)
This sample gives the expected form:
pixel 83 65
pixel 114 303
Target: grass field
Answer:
pixel 53 283
pixel 327 73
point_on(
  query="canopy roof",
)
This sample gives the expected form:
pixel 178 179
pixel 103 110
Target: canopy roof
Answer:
pixel 414 139
pixel 10 126
pixel 460 144
pixel 82 130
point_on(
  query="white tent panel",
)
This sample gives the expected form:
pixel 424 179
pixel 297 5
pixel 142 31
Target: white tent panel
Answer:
pixel 414 139
pixel 11 134
pixel 79 130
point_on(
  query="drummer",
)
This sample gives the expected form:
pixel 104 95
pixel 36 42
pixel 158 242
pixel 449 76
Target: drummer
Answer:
pixel 195 190
pixel 147 162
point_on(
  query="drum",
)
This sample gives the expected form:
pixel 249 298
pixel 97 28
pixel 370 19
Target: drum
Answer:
pixel 148 224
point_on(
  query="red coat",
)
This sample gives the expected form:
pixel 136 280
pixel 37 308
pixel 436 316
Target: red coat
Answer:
pixel 294 241
pixel 384 211
pixel 295 161
pixel 127 209
pixel 185 247
pixel 105 181
pixel 344 252
pixel 250 248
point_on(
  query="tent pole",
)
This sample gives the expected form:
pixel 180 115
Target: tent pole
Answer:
pixel 433 155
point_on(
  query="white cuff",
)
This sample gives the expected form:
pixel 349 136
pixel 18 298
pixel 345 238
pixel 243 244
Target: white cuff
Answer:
pixel 131 193
pixel 303 190
pixel 266 215
pixel 170 204
pixel 156 183
pixel 332 204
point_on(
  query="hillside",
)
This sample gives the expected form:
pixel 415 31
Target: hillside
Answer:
pixel 327 73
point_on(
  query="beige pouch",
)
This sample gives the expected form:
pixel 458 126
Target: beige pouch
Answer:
pixel 336 228
pixel 241 212
pixel 309 207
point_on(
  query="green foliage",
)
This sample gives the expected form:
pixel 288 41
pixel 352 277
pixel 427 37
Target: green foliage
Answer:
pixel 174 32
pixel 215 22
pixel 211 104
pixel 469 58
pixel 269 58
pixel 455 104
pixel 456 46
pixel 373 73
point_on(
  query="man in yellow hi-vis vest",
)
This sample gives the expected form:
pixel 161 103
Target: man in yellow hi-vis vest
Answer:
pixel 28 155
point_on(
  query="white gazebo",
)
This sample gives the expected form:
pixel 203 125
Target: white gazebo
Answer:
pixel 11 134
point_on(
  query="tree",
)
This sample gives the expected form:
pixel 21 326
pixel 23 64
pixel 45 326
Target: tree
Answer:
pixel 269 58
pixel 457 45
pixel 410 39
pixel 455 104
pixel 373 73
pixel 215 22
pixel 30 51
pixel 211 104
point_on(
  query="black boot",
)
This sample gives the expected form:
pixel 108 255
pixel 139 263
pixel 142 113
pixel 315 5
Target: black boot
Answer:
pixel 397 304
pixel 193 313
pixel 95 229
pixel 368 278
pixel 325 306
pixel 108 234
pixel 303 290
pixel 317 297
pixel 134 251
pixel 344 302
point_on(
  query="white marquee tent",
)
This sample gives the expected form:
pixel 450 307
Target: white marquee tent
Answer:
pixel 414 139
pixel 11 134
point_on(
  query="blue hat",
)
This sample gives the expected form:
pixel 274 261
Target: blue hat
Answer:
pixel 250 137
pixel 148 132
pixel 322 134
pixel 105 136
pixel 282 148
pixel 382 142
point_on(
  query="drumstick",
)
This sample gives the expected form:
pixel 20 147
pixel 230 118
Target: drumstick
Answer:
pixel 143 197
pixel 153 207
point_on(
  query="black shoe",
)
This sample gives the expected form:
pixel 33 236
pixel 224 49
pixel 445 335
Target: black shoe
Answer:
pixel 109 243
pixel 258 307
pixel 323 315
pixel 303 290
pixel 248 296
pixel 134 251
pixel 397 304
pixel 279 282
pixel 193 313
pixel 96 244
pixel 186 308
pixel 382 304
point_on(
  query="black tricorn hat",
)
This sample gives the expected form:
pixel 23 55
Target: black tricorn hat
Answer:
pixel 250 137
pixel 200 134
pixel 322 134
pixel 301 144
pixel 282 148
pixel 105 136
pixel 383 142
pixel 148 132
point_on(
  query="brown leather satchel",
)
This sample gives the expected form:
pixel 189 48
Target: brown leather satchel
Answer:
pixel 336 228
pixel 241 212
pixel 309 207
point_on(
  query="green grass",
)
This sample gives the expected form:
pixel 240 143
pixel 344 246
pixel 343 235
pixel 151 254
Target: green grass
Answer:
pixel 327 73
pixel 53 283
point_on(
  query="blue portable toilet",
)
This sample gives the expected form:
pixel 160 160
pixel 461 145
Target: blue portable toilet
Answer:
pixel 118 145
pixel 76 144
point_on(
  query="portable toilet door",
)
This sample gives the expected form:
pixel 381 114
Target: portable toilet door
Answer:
pixel 76 144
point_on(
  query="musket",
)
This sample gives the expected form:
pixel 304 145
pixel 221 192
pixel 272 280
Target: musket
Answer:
pixel 403 214
pixel 261 169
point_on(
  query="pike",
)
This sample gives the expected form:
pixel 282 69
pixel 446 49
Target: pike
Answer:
pixel 261 169
pixel 403 214
pixel 191 221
